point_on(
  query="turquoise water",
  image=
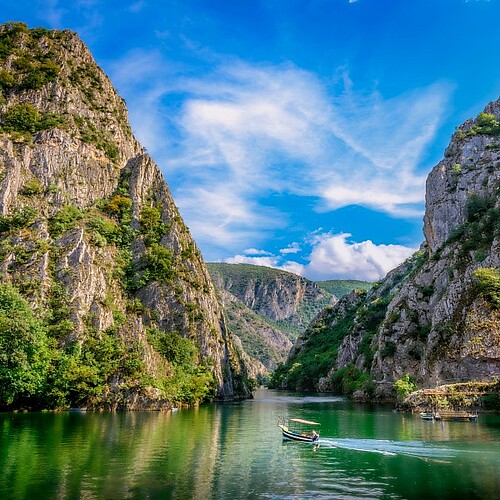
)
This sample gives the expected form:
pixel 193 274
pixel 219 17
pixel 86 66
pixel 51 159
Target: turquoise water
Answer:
pixel 235 450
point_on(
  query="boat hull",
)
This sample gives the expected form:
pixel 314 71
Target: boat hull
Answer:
pixel 295 436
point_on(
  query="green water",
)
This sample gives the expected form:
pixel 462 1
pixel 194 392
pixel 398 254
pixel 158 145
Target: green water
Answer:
pixel 235 450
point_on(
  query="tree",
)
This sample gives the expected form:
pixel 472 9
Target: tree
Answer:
pixel 24 348
pixel 404 386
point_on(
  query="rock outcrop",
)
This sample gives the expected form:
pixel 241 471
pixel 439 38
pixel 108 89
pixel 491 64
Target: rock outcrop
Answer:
pixel 436 317
pixel 88 223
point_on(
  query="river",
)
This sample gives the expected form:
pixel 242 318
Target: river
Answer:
pixel 235 450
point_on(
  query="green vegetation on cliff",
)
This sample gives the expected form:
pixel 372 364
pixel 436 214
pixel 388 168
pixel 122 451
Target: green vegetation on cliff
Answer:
pixel 321 342
pixel 339 288
pixel 113 305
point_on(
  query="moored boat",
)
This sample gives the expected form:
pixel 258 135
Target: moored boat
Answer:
pixel 297 429
pixel 427 415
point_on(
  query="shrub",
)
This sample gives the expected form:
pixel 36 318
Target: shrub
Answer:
pixel 118 206
pixel 191 382
pixel 6 80
pixel 178 350
pixel 388 350
pixel 486 120
pixel 38 74
pixel 349 379
pixel 24 348
pixel 19 217
pixel 64 220
pixel 105 229
pixel 160 263
pixel 404 386
pixel 31 188
pixel 488 279
pixel 478 205
pixel 151 223
pixel 23 117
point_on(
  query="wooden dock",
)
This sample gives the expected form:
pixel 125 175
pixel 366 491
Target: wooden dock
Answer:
pixel 457 416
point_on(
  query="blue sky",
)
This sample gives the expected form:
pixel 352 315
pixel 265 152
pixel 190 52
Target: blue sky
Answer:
pixel 296 134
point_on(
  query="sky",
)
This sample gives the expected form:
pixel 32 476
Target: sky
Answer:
pixel 296 134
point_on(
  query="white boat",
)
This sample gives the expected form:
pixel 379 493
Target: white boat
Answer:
pixel 297 429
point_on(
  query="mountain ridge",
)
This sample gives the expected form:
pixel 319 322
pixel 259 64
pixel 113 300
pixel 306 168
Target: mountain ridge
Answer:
pixel 435 317
pixel 91 237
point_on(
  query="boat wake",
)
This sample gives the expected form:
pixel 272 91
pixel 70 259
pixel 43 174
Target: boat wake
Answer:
pixel 419 449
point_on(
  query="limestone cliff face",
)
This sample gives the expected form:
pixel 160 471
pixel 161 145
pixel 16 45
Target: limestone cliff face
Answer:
pixel 266 308
pixel 95 216
pixel 265 345
pixel 443 327
pixel 280 296
pixel 470 166
pixel 431 317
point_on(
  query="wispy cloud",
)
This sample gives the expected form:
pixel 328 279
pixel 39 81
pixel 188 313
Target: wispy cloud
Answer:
pixel 293 248
pixel 242 132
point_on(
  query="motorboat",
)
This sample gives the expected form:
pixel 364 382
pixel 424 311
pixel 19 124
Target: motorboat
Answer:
pixel 297 429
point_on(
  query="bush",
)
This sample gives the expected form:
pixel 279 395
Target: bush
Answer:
pixel 488 279
pixel 191 382
pixel 23 117
pixel 24 348
pixel 178 350
pixel 6 80
pixel 159 263
pixel 37 75
pixel 64 220
pixel 119 206
pixel 477 206
pixel 152 226
pixel 404 386
pixel 388 350
pixel 349 379
pixel 105 228
pixel 19 217
pixel 31 188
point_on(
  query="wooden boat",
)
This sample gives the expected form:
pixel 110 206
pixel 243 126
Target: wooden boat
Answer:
pixel 427 415
pixel 297 429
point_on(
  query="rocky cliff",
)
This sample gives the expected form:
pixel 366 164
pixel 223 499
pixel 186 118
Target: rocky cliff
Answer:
pixel 437 316
pixel 266 308
pixel 91 237
pixel 289 300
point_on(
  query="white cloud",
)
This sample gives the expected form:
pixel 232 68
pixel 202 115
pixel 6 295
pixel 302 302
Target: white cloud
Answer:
pixel 335 257
pixel 292 248
pixel 255 251
pixel 270 261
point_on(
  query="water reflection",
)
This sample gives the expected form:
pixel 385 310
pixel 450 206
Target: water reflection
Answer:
pixel 235 451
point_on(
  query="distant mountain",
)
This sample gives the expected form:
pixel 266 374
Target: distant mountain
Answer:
pixel 266 345
pixel 339 288
pixel 267 308
pixel 289 301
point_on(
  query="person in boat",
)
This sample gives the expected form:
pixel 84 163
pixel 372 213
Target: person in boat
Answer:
pixel 314 435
